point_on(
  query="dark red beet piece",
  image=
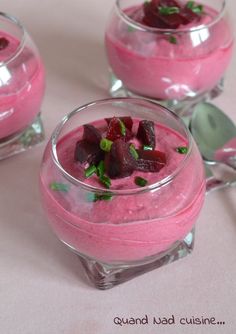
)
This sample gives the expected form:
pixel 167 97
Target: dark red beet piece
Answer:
pixel 188 16
pixel 169 3
pixel 119 162
pixel 154 155
pixel 150 161
pixel 146 133
pixel 91 134
pixel 149 165
pixel 114 131
pixel 87 152
pixel 3 43
pixel 173 21
pixel 128 122
pixel 151 15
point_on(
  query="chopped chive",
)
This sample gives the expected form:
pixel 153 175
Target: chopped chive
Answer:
pixel 182 149
pixel 190 4
pixel 105 180
pixel 101 168
pixel 90 171
pixel 106 144
pixel 168 10
pixel 59 187
pixel 198 9
pixel 172 39
pixel 147 148
pixel 107 197
pixel 92 197
pixel 122 128
pixel 141 182
pixel 133 152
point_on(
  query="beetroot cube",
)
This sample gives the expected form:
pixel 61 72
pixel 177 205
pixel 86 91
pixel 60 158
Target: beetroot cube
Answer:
pixel 152 155
pixel 115 131
pixel 91 134
pixel 146 133
pixel 128 122
pixel 87 152
pixel 150 161
pixel 119 162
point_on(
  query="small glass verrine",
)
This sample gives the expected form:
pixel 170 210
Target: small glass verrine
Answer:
pixel 175 67
pixel 124 231
pixel 22 85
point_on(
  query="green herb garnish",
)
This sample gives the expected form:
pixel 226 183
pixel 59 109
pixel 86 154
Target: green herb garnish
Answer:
pixel 168 10
pixel 106 144
pixel 182 149
pixel 190 4
pixel 122 128
pixel 101 168
pixel 198 9
pixel 92 197
pixel 141 182
pixel 147 148
pixel 90 171
pixel 59 187
pixel 105 180
pixel 106 197
pixel 133 151
pixel 172 39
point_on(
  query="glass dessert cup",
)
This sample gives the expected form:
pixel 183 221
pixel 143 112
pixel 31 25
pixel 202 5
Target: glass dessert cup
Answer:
pixel 22 85
pixel 130 230
pixel 175 67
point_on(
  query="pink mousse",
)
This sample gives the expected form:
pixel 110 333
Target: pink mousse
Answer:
pixel 21 87
pixel 128 227
pixel 150 65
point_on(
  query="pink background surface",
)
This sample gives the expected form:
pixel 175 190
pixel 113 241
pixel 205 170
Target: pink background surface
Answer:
pixel 43 289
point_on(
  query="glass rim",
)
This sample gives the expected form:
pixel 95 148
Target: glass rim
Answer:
pixel 21 45
pixel 114 192
pixel 144 28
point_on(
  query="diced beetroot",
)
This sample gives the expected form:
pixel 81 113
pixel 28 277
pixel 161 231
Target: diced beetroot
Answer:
pixel 128 122
pixel 146 133
pixel 169 3
pixel 119 162
pixel 149 165
pixel 173 21
pixel 188 16
pixel 153 155
pixel 87 152
pixel 91 134
pixel 114 131
pixel 150 161
pixel 153 17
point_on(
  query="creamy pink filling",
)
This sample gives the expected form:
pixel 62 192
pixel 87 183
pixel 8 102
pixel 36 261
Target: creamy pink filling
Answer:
pixel 149 65
pixel 21 87
pixel 128 227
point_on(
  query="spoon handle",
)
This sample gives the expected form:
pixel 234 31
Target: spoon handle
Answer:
pixel 232 162
pixel 213 184
pixel 216 180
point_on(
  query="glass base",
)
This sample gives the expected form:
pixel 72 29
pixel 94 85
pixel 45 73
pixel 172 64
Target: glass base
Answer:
pixel 105 276
pixel 182 108
pixel 29 137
